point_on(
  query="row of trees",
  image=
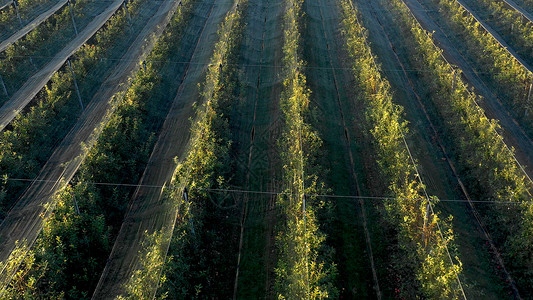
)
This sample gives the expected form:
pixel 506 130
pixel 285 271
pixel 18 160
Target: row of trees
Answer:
pixel 70 254
pixel 20 60
pixel 485 162
pixel 305 269
pixel 9 22
pixel 497 64
pixel 512 24
pixel 28 141
pixel 527 4
pixel 201 252
pixel 424 244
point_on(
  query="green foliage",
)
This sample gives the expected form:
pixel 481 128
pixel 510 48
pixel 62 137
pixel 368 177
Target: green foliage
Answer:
pixel 206 166
pixel 512 78
pixel 436 275
pixel 26 144
pixel 487 164
pixel 71 252
pixel 512 24
pixel 152 257
pixel 9 22
pixel 24 283
pixel 304 269
pixel 22 59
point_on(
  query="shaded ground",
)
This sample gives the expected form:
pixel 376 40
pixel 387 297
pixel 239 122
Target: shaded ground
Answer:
pixel 255 133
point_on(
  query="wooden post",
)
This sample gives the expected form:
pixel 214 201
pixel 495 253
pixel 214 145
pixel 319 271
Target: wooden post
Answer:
pixel 4 86
pixel 72 17
pixel 33 64
pixel 186 199
pixel 528 102
pixel 75 83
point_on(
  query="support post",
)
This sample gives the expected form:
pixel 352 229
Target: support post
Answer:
pixel 185 194
pixel 125 3
pixel 530 90
pixel 33 64
pixel 306 245
pixel 72 17
pixel 75 83
pixel 453 81
pixel 528 102
pixel 426 220
pixel 76 205
pixel 15 4
pixel 4 86
pixel 186 199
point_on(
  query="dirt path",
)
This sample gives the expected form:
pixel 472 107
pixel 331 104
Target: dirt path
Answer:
pixel 24 221
pixel 267 139
pixel 146 212
pixel 32 86
pixel 30 26
pixel 513 134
